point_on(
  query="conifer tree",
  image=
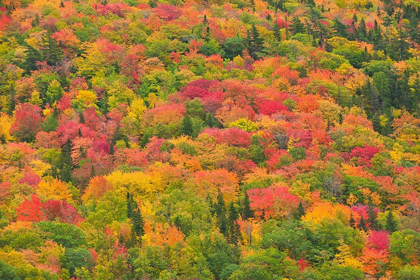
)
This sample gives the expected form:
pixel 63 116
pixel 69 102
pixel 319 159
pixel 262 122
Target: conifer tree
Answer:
pixel 186 126
pixel 66 162
pixel 234 230
pixel 390 223
pixel 246 209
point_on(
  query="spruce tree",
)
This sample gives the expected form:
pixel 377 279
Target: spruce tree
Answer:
pixel 234 230
pixel 186 126
pixel 362 224
pixel 390 223
pixel 372 218
pixel 297 26
pixel 352 221
pixel 246 209
pixel 300 211
pixel 221 213
pixel 66 162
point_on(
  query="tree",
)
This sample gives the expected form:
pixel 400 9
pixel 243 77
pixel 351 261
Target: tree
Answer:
pixel 27 123
pixel 297 26
pixel 186 126
pixel 66 161
pixel 247 212
pixel 233 226
pixel 220 211
pixel 390 223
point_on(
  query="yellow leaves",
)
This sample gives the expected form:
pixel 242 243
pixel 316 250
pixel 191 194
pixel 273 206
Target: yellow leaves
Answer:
pixel 352 200
pixel 5 125
pixel 86 97
pixel 137 108
pixel 301 189
pixel 53 190
pixel 244 124
pixel 345 258
pixel 40 167
pixel 322 211
pixel 137 183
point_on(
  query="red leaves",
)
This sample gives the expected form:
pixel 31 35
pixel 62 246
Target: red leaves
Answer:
pixel 269 107
pixel 30 178
pixel 272 202
pixel 232 136
pixel 364 155
pixel 379 240
pixel 34 210
pixel 168 12
pixel 27 121
pixel 56 209
pixel 30 210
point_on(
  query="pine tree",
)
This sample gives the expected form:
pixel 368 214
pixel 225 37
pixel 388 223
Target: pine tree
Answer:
pixel 352 221
pixel 390 223
pixel 362 31
pixel 52 52
pixel 372 218
pixel 362 224
pixel 221 214
pixel 92 171
pixel 300 211
pixel 297 26
pixel 186 126
pixel 134 213
pixel 340 28
pixel 12 100
pixel 246 209
pixel 276 31
pixel 32 56
pixel 66 162
pixel 234 230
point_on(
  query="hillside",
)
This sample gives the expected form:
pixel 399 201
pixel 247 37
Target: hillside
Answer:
pixel 234 140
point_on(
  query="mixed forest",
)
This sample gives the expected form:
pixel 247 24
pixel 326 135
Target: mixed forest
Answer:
pixel 210 139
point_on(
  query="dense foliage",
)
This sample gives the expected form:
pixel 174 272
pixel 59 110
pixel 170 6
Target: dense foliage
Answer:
pixel 209 139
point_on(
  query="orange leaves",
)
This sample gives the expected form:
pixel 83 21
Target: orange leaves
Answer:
pixel 308 103
pixel 372 260
pixel 98 186
pixel 161 235
pixel 209 182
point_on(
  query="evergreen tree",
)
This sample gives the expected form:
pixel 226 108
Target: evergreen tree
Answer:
pixel 255 42
pixel 92 171
pixel 12 99
pixel 276 31
pixel 300 211
pixel 362 31
pixel 352 221
pixel 297 26
pixel 390 223
pixel 32 56
pixel 186 126
pixel 52 52
pixel 372 218
pixel 66 162
pixel 362 224
pixel 234 230
pixel 247 212
pixel 220 211
pixel 340 28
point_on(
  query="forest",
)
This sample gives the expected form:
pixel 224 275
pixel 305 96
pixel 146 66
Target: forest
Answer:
pixel 210 139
